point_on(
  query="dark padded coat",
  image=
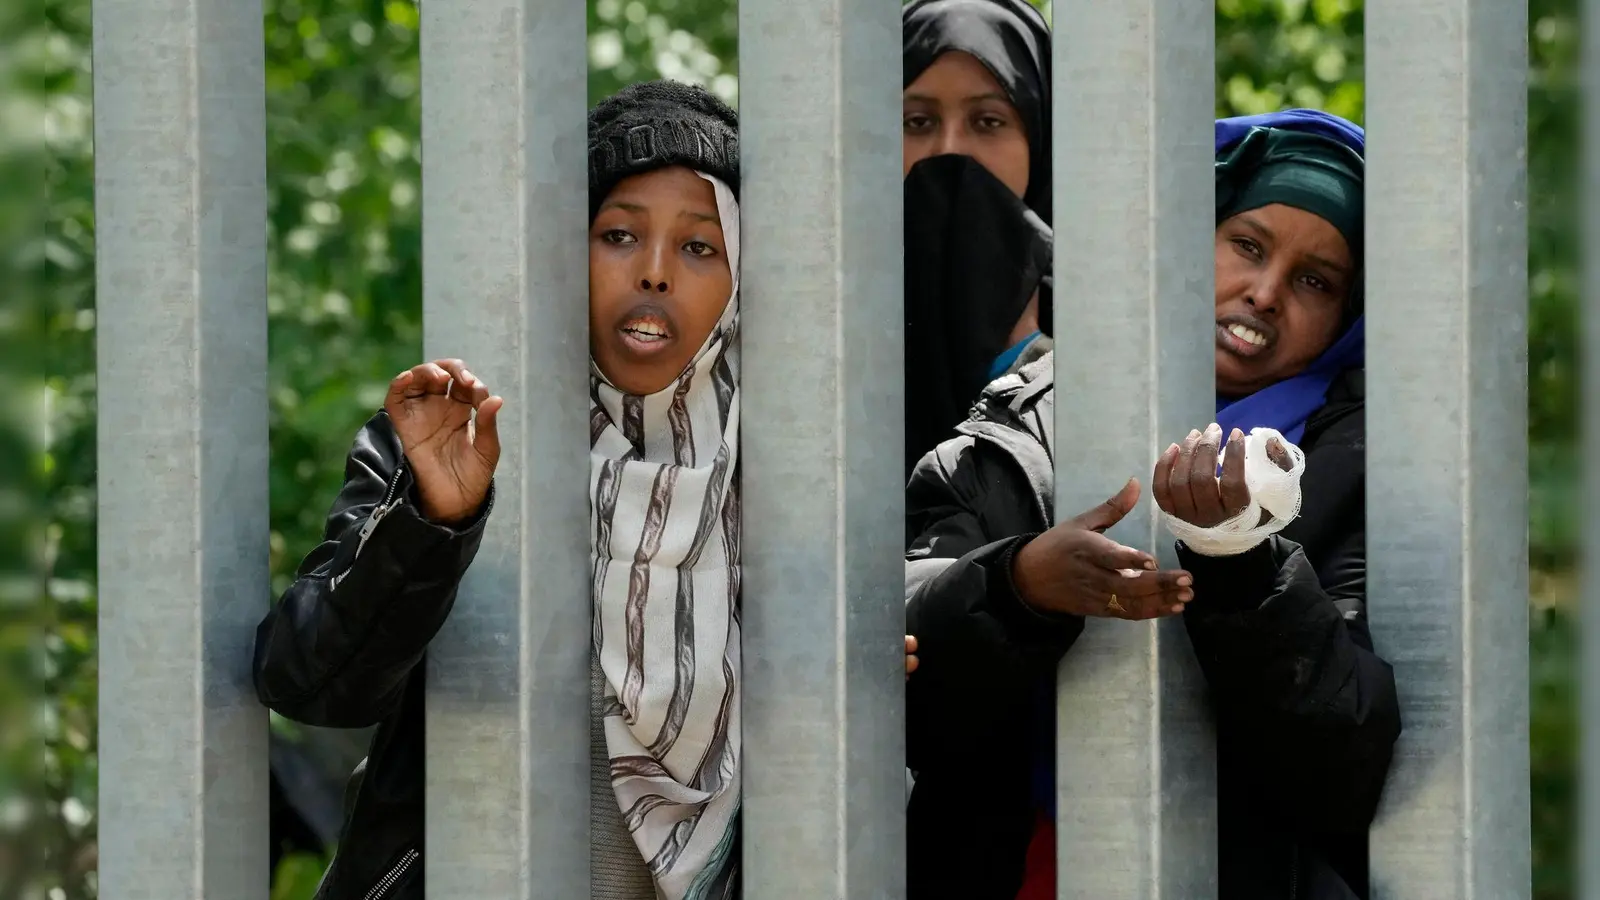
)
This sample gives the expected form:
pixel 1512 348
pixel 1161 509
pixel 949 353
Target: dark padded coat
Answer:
pixel 1307 715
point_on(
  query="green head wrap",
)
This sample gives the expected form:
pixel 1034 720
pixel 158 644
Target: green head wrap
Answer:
pixel 1298 169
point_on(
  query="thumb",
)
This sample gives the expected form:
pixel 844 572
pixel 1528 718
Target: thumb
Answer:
pixel 1109 513
pixel 488 430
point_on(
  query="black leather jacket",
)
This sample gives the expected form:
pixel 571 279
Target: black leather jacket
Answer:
pixel 344 647
pixel 1307 714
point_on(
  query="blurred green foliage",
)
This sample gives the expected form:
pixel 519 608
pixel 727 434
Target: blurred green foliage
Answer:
pixel 344 300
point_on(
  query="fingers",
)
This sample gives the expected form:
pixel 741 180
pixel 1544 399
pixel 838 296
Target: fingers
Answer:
pixel 1203 478
pixel 438 377
pixel 1178 481
pixel 398 388
pixel 428 378
pixel 464 386
pixel 1112 556
pixel 414 383
pixel 1175 585
pixel 488 430
pixel 1235 495
pixel 1150 595
pixel 1110 512
pixel 1160 480
pixel 1279 454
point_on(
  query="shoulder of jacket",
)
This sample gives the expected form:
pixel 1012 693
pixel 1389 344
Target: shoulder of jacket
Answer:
pixel 1017 392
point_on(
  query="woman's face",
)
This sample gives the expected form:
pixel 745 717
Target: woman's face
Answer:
pixel 957 106
pixel 1283 277
pixel 658 277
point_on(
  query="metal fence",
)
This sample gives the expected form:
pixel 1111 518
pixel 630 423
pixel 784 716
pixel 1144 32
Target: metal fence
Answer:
pixel 181 218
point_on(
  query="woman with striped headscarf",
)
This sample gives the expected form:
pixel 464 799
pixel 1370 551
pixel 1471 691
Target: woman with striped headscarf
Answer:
pixel 344 646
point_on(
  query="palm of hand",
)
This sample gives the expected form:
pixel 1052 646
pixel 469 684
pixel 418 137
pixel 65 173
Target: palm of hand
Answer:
pixel 436 433
pixel 452 457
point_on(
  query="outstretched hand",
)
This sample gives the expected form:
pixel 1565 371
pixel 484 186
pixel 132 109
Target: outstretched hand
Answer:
pixel 1074 568
pixel 445 418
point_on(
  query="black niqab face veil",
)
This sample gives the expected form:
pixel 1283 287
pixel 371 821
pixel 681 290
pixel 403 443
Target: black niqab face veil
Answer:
pixel 973 260
pixel 1012 41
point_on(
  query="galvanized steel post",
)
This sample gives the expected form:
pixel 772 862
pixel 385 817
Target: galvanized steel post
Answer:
pixel 824 782
pixel 1447 452
pixel 504 200
pixel 1135 770
pixel 180 205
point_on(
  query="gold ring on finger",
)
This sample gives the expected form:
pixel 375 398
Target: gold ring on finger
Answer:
pixel 1115 606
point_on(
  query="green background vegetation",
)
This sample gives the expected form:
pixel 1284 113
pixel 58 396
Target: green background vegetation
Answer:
pixel 345 307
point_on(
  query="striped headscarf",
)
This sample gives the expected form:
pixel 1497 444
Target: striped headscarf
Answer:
pixel 664 508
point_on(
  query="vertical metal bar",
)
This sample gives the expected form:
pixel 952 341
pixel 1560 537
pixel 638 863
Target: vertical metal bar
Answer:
pixel 824 783
pixel 1447 439
pixel 1135 769
pixel 180 205
pixel 1589 360
pixel 505 263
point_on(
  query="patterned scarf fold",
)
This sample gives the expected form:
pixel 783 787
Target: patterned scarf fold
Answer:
pixel 664 508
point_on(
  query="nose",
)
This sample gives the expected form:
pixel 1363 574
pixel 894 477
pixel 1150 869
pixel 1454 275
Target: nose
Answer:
pixel 655 277
pixel 951 139
pixel 1266 295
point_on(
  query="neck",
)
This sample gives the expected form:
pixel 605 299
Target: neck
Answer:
pixel 1028 323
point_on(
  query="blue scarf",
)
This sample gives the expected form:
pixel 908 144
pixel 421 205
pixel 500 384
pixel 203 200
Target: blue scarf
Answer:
pixel 1005 360
pixel 1285 406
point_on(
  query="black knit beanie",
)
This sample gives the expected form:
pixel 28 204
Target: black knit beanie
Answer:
pixel 656 124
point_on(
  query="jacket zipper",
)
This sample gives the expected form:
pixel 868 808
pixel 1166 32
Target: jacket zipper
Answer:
pixel 388 881
pixel 371 525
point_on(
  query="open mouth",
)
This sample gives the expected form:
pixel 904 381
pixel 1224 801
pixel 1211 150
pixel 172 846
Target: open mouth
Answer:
pixel 645 331
pixel 1242 339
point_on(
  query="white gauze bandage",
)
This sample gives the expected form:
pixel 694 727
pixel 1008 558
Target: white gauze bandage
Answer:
pixel 1271 490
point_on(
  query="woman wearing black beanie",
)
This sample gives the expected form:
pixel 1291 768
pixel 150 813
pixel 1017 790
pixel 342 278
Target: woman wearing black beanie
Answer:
pixel 345 645
pixel 976 132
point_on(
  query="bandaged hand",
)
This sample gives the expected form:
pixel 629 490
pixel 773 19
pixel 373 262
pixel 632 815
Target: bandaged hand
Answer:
pixel 1257 495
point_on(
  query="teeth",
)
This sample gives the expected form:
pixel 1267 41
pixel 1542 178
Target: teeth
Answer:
pixel 1248 335
pixel 647 329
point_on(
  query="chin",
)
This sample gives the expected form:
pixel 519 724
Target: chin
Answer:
pixel 1233 379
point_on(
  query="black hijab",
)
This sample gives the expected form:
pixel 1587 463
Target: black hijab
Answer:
pixel 1012 41
pixel 975 253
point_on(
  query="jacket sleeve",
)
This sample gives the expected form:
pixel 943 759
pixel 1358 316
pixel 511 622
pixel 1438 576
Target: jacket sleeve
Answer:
pixel 337 649
pixel 1292 672
pixel 982 652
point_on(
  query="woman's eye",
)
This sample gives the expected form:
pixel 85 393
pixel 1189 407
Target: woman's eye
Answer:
pixel 1317 283
pixel 616 236
pixel 699 248
pixel 991 123
pixel 1248 246
pixel 916 122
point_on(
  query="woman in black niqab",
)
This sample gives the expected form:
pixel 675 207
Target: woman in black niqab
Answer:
pixel 977 204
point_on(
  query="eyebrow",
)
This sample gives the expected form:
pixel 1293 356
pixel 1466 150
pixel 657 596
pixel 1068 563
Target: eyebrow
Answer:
pixel 1254 225
pixel 640 210
pixel 975 98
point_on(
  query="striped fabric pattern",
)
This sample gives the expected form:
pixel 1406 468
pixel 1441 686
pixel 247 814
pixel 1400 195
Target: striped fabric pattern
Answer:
pixel 664 505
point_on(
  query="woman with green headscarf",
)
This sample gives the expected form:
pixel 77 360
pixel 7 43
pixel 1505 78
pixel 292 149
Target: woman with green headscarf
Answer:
pixel 1306 711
